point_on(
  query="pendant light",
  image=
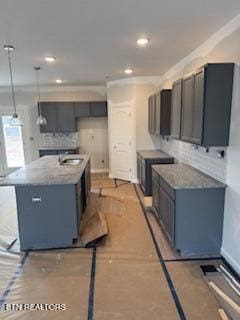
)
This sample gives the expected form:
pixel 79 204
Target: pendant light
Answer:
pixel 41 121
pixel 15 120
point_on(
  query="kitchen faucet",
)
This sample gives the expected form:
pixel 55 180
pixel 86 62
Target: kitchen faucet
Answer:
pixel 61 156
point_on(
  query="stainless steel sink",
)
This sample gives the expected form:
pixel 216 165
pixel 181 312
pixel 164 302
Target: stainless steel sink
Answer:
pixel 72 162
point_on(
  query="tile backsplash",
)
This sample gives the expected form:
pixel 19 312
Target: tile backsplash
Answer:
pixel 59 139
pixel 208 162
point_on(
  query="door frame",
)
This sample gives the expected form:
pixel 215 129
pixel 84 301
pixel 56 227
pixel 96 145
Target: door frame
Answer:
pixel 133 157
pixel 24 114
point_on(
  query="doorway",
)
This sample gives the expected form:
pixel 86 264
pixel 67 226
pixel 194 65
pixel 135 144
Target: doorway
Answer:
pixel 11 146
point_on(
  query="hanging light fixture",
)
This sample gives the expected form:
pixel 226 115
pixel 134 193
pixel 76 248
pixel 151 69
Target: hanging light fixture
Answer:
pixel 15 120
pixel 41 121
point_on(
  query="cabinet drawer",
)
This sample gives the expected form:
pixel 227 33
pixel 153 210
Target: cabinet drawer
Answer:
pixel 155 176
pixel 165 186
pixel 167 214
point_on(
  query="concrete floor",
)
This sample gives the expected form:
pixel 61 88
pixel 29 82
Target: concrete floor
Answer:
pixel 125 279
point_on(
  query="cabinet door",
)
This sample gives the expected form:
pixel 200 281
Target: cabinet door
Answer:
pixel 198 106
pixel 152 114
pixel 176 107
pixel 166 210
pixel 149 115
pixel 139 171
pixel 99 109
pixel 165 116
pixel 49 111
pixel 82 109
pixel 143 175
pixel 187 109
pixel 155 196
pixel 66 117
pixel 157 120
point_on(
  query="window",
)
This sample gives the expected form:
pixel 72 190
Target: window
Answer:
pixel 13 143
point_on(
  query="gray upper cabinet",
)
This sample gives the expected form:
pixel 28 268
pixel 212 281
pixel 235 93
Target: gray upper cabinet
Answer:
pixel 49 111
pixel 187 108
pixel 176 109
pixel 61 116
pixel 151 114
pixel 206 105
pixel 159 110
pixel 82 109
pixel 198 103
pixel 217 100
pixel 165 112
pixel 66 117
pixel 99 109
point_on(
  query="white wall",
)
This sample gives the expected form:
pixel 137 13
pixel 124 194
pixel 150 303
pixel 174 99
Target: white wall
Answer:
pixel 231 231
pixel 93 139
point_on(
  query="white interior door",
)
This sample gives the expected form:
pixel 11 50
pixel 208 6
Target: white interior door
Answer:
pixel 122 142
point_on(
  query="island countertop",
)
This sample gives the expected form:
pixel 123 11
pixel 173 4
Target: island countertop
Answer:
pixel 183 176
pixel 47 171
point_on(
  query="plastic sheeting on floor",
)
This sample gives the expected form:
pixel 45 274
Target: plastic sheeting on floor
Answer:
pixel 122 280
pixel 8 217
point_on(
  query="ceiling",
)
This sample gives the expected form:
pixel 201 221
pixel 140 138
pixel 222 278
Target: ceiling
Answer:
pixel 96 39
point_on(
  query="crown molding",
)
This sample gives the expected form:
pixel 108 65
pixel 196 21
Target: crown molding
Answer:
pixel 101 89
pixel 154 80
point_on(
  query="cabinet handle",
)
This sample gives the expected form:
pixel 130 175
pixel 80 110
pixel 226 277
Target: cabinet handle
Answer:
pixel 36 199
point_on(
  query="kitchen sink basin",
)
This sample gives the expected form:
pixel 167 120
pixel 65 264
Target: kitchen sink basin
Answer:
pixel 72 162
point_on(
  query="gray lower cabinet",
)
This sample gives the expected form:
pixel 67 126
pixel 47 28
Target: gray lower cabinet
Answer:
pixel 176 109
pixel 48 216
pixel 145 160
pixel 192 219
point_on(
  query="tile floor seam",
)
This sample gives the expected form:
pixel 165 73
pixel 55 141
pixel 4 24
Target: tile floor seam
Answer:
pixel 162 263
pixel 92 285
pixel 13 279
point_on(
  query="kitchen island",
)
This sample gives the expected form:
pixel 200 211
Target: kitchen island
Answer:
pixel 51 197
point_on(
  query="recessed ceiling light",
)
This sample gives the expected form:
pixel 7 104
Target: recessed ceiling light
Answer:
pixel 142 41
pixel 50 59
pixel 128 71
pixel 59 81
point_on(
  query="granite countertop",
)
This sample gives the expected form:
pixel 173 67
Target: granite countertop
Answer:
pixel 154 154
pixel 183 176
pixel 58 148
pixel 47 171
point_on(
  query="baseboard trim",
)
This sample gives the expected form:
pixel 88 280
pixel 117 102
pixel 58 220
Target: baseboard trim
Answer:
pixel 99 171
pixel 232 262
